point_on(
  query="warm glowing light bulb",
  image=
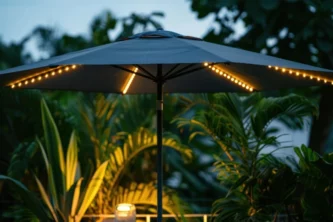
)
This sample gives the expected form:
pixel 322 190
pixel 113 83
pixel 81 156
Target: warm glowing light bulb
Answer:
pixel 60 71
pixel 225 75
pixel 206 64
pixel 251 89
pixel 290 71
pixel 297 73
pixel 276 68
pixel 73 66
pixel 239 83
pixel 124 207
pixel 13 86
pixel 67 68
pixel 53 73
pixel 304 75
pixel 33 80
pixel 311 77
pixel 247 87
pixel 228 77
pixel 318 79
pixel 26 82
pixel 39 78
pixel 217 71
pixel 209 66
pixel 128 84
pixel 47 76
pixel 283 70
pixel 236 81
pixel 232 79
pixel 20 84
pixel 243 85
pixel 136 69
pixel 221 73
pixel 325 80
pixel 269 66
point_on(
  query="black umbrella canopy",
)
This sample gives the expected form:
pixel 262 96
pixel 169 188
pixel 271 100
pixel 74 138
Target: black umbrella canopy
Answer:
pixel 190 65
pixel 153 62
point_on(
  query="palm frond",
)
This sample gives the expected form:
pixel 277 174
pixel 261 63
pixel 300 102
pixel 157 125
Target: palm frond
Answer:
pixel 290 110
pixel 144 106
pixel 135 144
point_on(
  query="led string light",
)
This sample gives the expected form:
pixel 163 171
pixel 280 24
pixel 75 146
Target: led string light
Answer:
pixel 129 82
pixel 42 76
pixel 302 74
pixel 230 77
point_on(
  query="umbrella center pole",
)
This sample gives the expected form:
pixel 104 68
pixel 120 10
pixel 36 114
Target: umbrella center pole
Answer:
pixel 159 115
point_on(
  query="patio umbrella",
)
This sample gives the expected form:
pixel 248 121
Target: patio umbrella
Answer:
pixel 163 61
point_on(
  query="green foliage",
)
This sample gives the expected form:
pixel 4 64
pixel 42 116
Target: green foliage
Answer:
pixel 243 123
pixel 302 189
pixel 241 128
pixel 99 119
pixel 126 139
pixel 64 197
pixel 20 213
pixel 315 175
pixel 30 200
pixel 55 162
pixel 17 107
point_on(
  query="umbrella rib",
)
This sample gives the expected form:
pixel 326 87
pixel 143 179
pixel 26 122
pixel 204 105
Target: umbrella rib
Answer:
pixel 130 71
pixel 171 70
pixel 180 71
pixel 184 73
pixel 145 71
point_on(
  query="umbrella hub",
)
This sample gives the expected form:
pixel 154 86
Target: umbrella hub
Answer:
pixel 160 33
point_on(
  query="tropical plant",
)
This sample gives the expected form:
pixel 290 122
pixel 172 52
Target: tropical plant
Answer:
pixel 240 128
pixel 297 187
pixel 110 130
pixel 68 195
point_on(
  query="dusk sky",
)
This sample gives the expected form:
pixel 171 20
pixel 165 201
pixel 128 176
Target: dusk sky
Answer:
pixel 19 17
